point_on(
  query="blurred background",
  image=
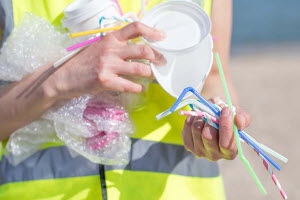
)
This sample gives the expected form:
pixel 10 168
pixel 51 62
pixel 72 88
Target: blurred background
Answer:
pixel 265 67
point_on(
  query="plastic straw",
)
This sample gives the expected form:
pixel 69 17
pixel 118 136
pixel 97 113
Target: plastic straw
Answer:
pixel 197 114
pixel 235 130
pixel 119 7
pixel 143 7
pixel 216 111
pixel 269 169
pixel 185 103
pixel 215 124
pixel 67 57
pixel 124 19
pixel 243 135
pixel 72 35
pixel 202 99
pixel 81 44
pixel 252 143
pixel 268 150
pixel 215 120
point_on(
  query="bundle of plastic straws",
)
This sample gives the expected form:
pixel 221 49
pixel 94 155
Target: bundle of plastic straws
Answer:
pixel 210 113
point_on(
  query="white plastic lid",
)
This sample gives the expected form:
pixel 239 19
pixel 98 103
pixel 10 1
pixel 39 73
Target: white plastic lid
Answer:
pixel 81 10
pixel 185 24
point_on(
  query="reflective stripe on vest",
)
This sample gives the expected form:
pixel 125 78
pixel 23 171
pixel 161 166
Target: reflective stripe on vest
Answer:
pixel 56 162
pixel 52 172
pixel 160 168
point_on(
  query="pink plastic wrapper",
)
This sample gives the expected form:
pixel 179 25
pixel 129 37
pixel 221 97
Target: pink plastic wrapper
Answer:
pixel 97 127
pixel 107 112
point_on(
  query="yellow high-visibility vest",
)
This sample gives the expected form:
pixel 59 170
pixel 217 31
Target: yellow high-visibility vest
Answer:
pixel 159 168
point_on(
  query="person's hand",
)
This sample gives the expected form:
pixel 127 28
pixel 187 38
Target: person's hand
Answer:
pixel 205 141
pixel 102 65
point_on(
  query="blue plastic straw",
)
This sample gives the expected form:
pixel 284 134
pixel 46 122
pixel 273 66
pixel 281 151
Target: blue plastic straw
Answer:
pixel 217 112
pixel 202 99
pixel 251 143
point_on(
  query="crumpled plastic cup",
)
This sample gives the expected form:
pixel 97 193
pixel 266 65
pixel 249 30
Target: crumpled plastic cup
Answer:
pixel 187 48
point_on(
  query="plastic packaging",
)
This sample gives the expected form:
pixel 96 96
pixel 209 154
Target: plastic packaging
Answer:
pixel 97 127
pixel 187 48
pixel 83 15
pixel 28 140
pixel 25 49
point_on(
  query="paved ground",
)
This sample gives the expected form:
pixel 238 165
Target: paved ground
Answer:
pixel 267 80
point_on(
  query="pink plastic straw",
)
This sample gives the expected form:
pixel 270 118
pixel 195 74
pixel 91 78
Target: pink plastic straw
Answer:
pixel 76 46
pixel 140 12
pixel 269 169
pixel 197 114
pixel 119 7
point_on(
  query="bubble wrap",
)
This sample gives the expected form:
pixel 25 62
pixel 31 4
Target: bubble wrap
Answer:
pixel 33 43
pixel 28 140
pixel 97 127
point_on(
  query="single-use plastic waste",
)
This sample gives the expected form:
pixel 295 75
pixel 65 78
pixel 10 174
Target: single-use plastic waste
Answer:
pixel 97 127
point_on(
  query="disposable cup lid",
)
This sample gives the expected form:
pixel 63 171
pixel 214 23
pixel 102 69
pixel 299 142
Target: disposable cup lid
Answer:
pixel 81 10
pixel 185 24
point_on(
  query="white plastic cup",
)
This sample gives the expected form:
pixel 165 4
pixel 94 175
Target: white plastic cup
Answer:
pixel 83 15
pixel 187 48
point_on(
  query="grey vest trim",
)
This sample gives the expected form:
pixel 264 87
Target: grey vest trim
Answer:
pixel 6 17
pixel 167 158
pixel 56 162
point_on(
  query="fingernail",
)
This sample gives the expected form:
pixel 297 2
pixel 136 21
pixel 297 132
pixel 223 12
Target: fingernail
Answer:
pixel 218 100
pixel 198 125
pixel 189 120
pixel 242 120
pixel 144 88
pixel 225 111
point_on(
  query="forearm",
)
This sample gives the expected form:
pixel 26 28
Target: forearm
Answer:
pixel 221 30
pixel 19 110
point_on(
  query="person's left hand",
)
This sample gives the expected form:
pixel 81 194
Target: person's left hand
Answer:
pixel 205 141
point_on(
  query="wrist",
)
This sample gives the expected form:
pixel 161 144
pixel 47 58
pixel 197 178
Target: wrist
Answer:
pixel 49 88
pixel 49 91
pixel 57 86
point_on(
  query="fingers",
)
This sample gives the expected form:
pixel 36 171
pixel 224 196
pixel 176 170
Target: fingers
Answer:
pixel 134 69
pixel 142 52
pixel 137 29
pixel 211 143
pixel 197 127
pixel 186 134
pixel 212 100
pixel 119 84
pixel 242 119
pixel 210 138
pixel 226 136
pixel 159 60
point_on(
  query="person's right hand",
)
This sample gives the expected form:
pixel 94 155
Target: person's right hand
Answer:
pixel 101 66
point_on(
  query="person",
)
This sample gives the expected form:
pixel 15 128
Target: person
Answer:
pixel 159 167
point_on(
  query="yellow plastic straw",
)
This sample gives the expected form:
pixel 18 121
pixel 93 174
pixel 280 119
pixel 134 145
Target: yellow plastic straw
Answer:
pixel 235 130
pixel 72 35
